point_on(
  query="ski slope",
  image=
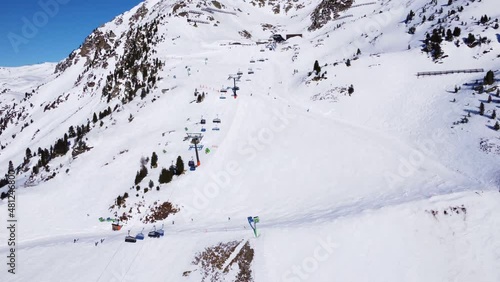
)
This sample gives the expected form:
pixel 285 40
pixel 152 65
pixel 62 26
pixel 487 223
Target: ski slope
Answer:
pixel 344 185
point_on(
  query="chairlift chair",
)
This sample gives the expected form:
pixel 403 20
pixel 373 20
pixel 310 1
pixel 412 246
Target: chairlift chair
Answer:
pixel 160 231
pixel 191 163
pixel 239 73
pixel 215 129
pixel 153 233
pixel 203 129
pixel 216 120
pixel 140 236
pixel 130 239
pixel 116 226
pixel 203 121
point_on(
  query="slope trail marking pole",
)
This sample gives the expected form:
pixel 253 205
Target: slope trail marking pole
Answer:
pixel 253 220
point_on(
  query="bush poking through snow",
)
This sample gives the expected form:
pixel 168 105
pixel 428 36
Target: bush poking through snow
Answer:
pixel 213 262
pixel 160 212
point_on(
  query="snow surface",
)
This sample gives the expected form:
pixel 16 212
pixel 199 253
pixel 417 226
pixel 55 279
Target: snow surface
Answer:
pixel 344 185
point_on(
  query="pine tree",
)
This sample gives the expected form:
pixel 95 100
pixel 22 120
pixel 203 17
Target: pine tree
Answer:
pixel 497 126
pixel 161 179
pixel 28 153
pixel 316 67
pixel 484 19
pixel 154 160
pixel 436 37
pixel 141 174
pixel 179 166
pixel 350 90
pixel 494 114
pixel 94 118
pixel 449 35
pixel 348 63
pixel 119 200
pixel 165 176
pixel 151 184
pixel 71 132
pixel 410 16
pixel 489 79
pixel 11 167
pixel 457 31
pixel 489 99
pixel 437 52
pixel 481 109
pixel 470 39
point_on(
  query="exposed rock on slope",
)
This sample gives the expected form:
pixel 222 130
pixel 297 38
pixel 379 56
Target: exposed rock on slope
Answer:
pixel 326 11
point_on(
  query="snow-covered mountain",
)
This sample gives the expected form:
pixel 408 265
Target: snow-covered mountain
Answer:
pixel 358 168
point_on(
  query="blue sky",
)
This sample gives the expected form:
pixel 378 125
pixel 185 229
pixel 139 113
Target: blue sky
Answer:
pixel 36 31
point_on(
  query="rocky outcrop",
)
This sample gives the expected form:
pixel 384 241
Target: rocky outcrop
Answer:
pixel 326 11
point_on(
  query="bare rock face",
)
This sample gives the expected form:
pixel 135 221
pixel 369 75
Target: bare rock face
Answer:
pixel 99 46
pixel 326 11
pixel 66 63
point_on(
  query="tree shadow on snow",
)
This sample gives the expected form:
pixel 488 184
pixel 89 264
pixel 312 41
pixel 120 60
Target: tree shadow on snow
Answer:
pixel 472 112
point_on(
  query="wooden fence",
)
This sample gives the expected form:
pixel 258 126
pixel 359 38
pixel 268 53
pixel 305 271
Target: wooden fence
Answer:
pixel 364 4
pixel 428 73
